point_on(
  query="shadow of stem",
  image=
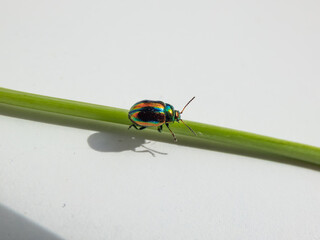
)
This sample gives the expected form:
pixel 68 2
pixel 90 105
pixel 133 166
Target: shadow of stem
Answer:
pixel 140 136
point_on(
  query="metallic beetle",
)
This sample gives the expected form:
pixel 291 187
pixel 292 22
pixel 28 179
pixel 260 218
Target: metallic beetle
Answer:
pixel 148 113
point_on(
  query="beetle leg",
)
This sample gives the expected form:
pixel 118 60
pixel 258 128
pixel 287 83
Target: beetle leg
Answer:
pixel 174 136
pixel 132 126
pixel 160 128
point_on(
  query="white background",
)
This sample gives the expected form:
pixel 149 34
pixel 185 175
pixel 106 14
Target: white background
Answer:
pixel 252 65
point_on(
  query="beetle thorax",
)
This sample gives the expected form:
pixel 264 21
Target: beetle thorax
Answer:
pixel 170 113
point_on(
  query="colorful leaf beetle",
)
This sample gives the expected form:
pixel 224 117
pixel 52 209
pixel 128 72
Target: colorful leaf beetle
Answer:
pixel 148 113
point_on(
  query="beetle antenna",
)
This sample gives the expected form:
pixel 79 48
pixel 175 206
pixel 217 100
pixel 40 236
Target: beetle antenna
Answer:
pixel 188 126
pixel 187 105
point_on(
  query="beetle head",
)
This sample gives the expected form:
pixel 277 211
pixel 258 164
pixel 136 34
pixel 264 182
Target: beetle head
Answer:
pixel 177 115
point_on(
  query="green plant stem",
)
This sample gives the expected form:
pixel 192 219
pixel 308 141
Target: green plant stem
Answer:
pixel 212 134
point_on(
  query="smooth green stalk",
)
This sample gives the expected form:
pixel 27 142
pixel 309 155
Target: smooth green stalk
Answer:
pixel 208 135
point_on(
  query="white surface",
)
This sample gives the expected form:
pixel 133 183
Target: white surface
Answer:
pixel 253 65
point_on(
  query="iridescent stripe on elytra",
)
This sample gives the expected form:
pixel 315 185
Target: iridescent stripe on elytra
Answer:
pixel 147 104
pixel 132 111
pixel 148 124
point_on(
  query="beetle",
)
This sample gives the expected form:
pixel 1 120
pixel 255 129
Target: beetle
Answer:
pixel 148 113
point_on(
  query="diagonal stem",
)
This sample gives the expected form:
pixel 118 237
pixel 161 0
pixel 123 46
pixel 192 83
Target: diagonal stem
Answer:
pixel 208 134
